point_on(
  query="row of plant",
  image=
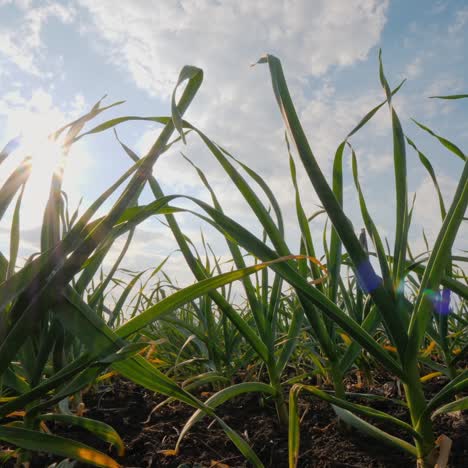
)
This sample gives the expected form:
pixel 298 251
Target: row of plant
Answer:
pixel 64 324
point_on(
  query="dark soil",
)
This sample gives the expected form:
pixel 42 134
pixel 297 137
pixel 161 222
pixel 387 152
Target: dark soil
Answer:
pixel 126 407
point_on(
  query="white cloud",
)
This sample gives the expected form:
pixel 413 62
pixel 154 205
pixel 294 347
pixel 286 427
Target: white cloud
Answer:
pixel 414 68
pixel 461 19
pixel 21 43
pixel 378 163
pixel 444 83
pixel 236 106
pixel 427 213
pixel 439 7
pixel 331 118
pixel 153 40
pixel 441 83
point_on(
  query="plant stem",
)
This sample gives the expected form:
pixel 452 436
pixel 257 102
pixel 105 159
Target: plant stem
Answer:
pixel 337 379
pixel 282 409
pixel 280 403
pixel 416 404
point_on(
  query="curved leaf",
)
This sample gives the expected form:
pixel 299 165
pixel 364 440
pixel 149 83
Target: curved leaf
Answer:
pixel 40 442
pixel 98 428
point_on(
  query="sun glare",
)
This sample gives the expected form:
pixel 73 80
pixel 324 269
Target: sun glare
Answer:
pixel 46 158
pixel 35 125
pixel 46 153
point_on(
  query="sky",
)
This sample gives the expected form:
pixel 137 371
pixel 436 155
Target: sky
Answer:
pixel 57 58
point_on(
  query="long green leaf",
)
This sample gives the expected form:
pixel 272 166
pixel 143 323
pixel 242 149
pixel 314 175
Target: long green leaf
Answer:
pixel 448 144
pixel 98 428
pixel 40 442
pixel 221 397
pixel 436 265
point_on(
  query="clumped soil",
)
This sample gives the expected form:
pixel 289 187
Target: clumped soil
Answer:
pixel 127 407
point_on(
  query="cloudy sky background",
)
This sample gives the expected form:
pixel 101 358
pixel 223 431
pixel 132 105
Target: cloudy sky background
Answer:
pixel 57 58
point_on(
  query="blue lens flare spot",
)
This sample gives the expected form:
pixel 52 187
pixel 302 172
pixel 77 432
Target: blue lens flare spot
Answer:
pixel 440 300
pixel 368 279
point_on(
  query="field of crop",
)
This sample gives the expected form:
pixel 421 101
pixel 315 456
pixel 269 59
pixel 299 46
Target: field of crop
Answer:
pixel 345 351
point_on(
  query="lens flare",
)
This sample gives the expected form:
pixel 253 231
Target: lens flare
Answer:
pixel 368 279
pixel 440 300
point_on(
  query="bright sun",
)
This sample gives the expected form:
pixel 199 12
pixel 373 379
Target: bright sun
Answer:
pixel 46 158
pixel 34 124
